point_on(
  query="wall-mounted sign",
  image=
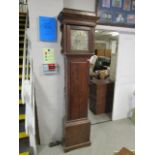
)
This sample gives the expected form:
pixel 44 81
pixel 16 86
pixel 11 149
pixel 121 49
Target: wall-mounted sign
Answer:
pixel 48 29
pixel 50 68
pixel 48 56
pixel 49 61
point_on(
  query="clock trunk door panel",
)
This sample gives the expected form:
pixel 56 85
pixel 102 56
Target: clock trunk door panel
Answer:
pixel 78 87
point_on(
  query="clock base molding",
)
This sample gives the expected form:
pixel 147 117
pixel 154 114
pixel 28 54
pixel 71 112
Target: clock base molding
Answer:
pixel 76 134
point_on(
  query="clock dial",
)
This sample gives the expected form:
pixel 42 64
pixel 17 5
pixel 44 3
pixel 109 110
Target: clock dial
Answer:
pixel 79 40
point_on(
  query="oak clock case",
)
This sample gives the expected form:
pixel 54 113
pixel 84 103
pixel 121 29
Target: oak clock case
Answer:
pixel 77 47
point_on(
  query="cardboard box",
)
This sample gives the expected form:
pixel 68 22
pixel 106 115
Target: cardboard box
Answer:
pixel 125 151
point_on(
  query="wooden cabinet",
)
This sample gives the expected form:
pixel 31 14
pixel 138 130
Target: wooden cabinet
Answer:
pixel 101 96
pixel 77 46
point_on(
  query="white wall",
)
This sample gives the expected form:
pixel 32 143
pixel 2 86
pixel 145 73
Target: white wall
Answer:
pixel 49 89
pixel 86 5
pixel 113 66
pixel 125 76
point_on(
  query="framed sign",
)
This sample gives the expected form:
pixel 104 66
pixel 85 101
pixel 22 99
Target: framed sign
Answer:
pixel 116 12
pixel 48 29
pixel 49 56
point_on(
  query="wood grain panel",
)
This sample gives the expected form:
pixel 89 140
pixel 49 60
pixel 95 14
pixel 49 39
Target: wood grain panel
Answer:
pixel 79 127
pixel 101 96
pixel 78 88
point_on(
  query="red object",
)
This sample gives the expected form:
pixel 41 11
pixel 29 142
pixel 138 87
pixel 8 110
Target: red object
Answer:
pixel 51 67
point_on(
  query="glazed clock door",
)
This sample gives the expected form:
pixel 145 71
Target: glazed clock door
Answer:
pixel 79 39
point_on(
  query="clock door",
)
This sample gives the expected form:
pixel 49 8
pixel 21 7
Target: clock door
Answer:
pixel 78 87
pixel 79 39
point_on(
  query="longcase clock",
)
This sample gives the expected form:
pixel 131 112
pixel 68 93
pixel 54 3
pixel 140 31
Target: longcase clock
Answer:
pixel 77 46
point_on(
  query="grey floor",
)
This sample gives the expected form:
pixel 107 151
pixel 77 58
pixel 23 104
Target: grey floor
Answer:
pixel 106 138
pixel 98 118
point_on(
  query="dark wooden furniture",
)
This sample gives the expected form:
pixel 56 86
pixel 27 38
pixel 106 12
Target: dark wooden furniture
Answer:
pixel 101 96
pixel 77 46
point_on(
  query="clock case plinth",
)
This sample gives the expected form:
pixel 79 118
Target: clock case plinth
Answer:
pixel 76 124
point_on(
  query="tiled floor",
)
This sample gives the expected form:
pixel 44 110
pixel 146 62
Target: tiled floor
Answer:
pixel 106 138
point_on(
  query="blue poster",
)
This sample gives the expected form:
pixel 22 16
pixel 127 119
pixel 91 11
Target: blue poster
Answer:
pixel 48 29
